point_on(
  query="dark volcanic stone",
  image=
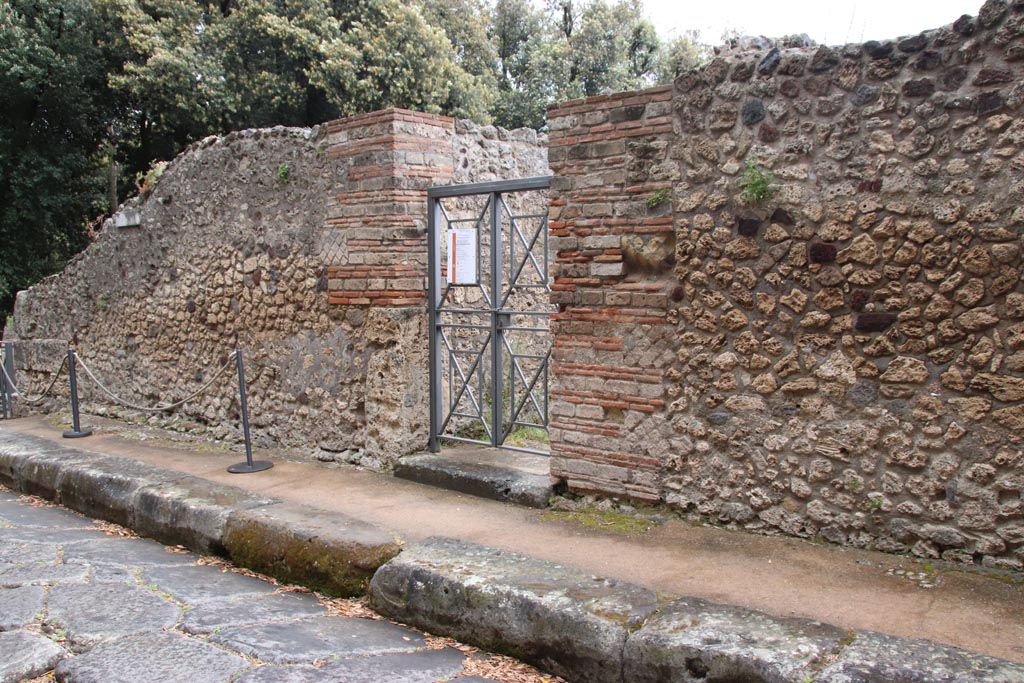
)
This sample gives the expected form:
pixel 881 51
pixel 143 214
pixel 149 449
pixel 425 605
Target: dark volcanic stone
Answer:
pixel 820 252
pixel 874 322
pixel 218 614
pixel 782 217
pixel 19 606
pixel 93 614
pixel 988 103
pixel 302 642
pixel 767 133
pixel 858 299
pixel 965 25
pixel 742 72
pixel 753 112
pixel 914 44
pixel 824 60
pixel 990 76
pixel 865 94
pixel 770 62
pixel 919 88
pixel 927 60
pixel 748 227
pixel 877 50
pixel 954 77
pixel 152 658
pixel 25 655
pixel 790 88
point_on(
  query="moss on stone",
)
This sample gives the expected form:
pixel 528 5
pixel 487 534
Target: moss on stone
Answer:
pixel 604 520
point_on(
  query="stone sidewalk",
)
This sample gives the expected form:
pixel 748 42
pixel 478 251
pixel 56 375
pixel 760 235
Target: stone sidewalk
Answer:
pixel 582 625
pixel 100 608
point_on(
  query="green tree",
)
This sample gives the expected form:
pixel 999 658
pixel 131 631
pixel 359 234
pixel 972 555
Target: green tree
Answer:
pixel 386 55
pixel 475 85
pixel 56 115
pixel 168 88
pixel 680 54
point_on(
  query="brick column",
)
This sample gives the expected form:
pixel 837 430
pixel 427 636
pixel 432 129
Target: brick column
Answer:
pixel 390 158
pixel 609 158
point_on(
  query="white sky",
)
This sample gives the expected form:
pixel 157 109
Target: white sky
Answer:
pixel 828 22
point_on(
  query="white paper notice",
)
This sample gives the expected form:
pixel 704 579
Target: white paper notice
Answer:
pixel 462 256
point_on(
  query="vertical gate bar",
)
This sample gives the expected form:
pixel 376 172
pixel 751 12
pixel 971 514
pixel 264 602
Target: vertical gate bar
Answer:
pixel 497 338
pixel 433 299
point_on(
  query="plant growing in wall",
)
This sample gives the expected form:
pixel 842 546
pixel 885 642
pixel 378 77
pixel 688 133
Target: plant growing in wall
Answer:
pixel 148 180
pixel 757 185
pixel 658 198
pixel 284 173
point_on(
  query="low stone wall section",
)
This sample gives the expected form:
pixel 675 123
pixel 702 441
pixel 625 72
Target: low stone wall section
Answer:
pixel 308 246
pixel 844 360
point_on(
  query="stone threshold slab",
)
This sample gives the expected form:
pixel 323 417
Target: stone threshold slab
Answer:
pixel 491 473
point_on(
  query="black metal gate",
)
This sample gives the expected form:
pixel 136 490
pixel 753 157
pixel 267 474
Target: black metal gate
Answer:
pixel 489 303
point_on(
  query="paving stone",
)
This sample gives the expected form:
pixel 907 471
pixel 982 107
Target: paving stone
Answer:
pixel 194 585
pixel 562 620
pixel 305 641
pixel 20 606
pixel 43 575
pixel 126 552
pixel 218 614
pixel 152 658
pixel 114 575
pixel 19 553
pixel 51 537
pixel 325 551
pixel 416 667
pixel 93 614
pixel 693 639
pixel 879 658
pixel 21 514
pixel 191 512
pixel 27 655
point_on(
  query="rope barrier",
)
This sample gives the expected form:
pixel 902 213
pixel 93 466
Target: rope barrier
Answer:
pixel 158 408
pixel 37 399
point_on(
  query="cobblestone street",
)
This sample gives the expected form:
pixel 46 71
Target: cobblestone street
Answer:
pixel 93 606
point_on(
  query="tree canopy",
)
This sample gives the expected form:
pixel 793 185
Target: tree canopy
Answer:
pixel 101 89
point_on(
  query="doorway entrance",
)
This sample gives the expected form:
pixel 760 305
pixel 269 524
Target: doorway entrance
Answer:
pixel 489 308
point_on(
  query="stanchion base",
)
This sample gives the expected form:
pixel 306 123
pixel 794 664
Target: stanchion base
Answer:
pixel 72 434
pixel 244 467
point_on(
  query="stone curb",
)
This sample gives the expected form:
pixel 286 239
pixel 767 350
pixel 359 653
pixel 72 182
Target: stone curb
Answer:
pixel 587 629
pixel 326 551
pixel 595 630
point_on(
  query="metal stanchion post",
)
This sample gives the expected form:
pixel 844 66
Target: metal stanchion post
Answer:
pixel 248 465
pixel 76 432
pixel 5 411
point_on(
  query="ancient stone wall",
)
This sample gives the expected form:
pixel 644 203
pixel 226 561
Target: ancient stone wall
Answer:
pixel 309 246
pixel 844 360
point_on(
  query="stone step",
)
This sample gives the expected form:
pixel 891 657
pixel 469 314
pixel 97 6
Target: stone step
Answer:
pixel 493 473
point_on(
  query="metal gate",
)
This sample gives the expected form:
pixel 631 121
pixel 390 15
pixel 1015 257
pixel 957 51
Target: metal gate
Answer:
pixel 489 303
